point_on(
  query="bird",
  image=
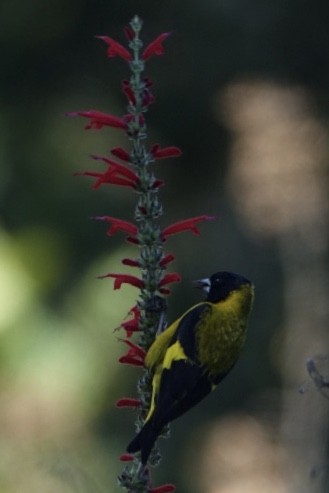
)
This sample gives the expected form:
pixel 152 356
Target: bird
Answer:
pixel 192 355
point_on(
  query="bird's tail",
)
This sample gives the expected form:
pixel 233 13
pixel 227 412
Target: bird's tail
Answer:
pixel 144 441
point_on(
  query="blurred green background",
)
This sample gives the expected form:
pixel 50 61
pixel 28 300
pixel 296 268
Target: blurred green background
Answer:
pixel 243 90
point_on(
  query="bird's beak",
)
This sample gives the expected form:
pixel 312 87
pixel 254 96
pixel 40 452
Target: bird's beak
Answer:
pixel 203 284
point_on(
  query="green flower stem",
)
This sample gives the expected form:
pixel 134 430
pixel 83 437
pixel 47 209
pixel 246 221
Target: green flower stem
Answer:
pixel 152 306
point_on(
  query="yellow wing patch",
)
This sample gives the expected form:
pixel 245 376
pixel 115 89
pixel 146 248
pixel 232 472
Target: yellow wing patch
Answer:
pixel 158 349
pixel 173 353
pixel 155 389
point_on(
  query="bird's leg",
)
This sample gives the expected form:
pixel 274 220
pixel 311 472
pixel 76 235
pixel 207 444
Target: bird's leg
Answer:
pixel 161 324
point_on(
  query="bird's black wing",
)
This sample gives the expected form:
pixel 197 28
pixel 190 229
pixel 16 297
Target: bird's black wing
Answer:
pixel 185 382
pixel 185 332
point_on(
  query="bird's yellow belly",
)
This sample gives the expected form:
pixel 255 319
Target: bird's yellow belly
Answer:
pixel 220 340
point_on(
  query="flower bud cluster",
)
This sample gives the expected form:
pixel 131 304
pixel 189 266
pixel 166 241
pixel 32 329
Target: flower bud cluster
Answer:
pixel 133 169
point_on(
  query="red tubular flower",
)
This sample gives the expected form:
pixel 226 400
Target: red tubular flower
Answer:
pixel 169 278
pixel 167 259
pixel 128 402
pixel 120 279
pixel 129 33
pixel 118 225
pixel 126 457
pixel 109 178
pixel 135 311
pixel 147 82
pixel 98 119
pixel 135 355
pixel 131 120
pixel 157 184
pixel 127 90
pixel 133 240
pixel 165 291
pixel 185 225
pixel 155 47
pixel 115 48
pixel 135 349
pixel 147 97
pixel 118 169
pixel 165 488
pixel 130 359
pixel 165 152
pixel 131 262
pixel 132 325
pixel 120 153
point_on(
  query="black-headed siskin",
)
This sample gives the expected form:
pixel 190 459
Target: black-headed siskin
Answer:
pixel 195 353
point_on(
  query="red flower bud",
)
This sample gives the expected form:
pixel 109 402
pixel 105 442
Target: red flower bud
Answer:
pixel 165 291
pixel 128 402
pixel 130 360
pixel 130 262
pixel 126 457
pixel 120 153
pixel 129 33
pixel 127 90
pixel 165 488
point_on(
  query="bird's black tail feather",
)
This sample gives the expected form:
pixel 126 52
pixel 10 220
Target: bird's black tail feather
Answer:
pixel 144 441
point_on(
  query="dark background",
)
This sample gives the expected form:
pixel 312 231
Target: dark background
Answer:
pixel 231 69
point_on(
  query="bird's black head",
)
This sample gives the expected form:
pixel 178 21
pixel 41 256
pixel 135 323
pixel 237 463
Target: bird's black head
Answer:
pixel 221 284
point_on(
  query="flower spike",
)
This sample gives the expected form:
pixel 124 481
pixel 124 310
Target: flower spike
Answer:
pixel 148 316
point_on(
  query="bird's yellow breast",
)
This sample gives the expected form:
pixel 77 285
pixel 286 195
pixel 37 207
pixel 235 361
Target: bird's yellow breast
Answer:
pixel 221 332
